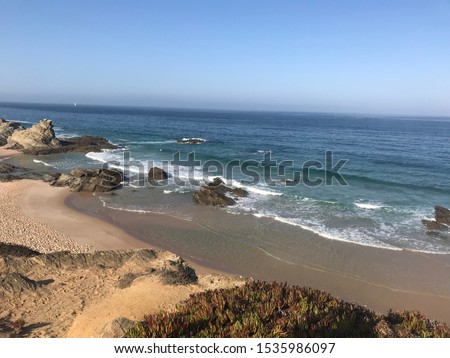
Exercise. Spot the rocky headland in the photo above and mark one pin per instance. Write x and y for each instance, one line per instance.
(40, 139)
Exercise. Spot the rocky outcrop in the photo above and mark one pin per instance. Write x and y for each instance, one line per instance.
(441, 220)
(157, 174)
(40, 135)
(208, 195)
(10, 172)
(191, 140)
(100, 180)
(217, 194)
(40, 139)
(83, 144)
(432, 225)
(7, 129)
(442, 215)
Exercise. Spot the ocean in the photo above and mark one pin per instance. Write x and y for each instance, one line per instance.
(396, 169)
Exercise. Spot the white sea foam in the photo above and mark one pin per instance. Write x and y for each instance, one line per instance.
(368, 206)
(322, 231)
(259, 190)
(27, 122)
(193, 138)
(263, 151)
(42, 162)
(106, 155)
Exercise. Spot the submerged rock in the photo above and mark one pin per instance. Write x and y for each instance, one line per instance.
(7, 128)
(191, 140)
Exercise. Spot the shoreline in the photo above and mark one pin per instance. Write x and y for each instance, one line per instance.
(8, 153)
(376, 277)
(48, 204)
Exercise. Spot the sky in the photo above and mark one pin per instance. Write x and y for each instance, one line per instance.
(378, 56)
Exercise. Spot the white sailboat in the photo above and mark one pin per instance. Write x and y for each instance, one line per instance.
(74, 104)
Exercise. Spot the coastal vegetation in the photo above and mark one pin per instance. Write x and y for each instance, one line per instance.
(272, 310)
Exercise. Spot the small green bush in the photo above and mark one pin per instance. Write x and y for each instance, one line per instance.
(261, 309)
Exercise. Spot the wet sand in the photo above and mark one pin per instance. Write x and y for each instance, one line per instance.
(8, 153)
(269, 250)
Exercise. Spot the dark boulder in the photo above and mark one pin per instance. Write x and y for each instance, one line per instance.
(157, 174)
(216, 182)
(101, 180)
(434, 225)
(441, 220)
(212, 196)
(239, 192)
(441, 214)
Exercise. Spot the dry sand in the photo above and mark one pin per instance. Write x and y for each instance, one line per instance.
(17, 227)
(79, 303)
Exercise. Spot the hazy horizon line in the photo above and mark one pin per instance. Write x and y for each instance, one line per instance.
(193, 108)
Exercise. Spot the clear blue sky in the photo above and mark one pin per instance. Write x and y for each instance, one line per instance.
(382, 56)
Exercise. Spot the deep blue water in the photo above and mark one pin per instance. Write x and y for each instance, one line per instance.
(398, 167)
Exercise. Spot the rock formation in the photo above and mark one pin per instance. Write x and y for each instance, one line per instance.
(100, 180)
(40, 135)
(217, 194)
(7, 129)
(40, 139)
(441, 220)
(10, 172)
(442, 215)
(157, 174)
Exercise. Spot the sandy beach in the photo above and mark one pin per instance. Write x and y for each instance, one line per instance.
(83, 302)
(380, 279)
(53, 219)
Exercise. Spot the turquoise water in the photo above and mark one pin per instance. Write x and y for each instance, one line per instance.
(397, 168)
